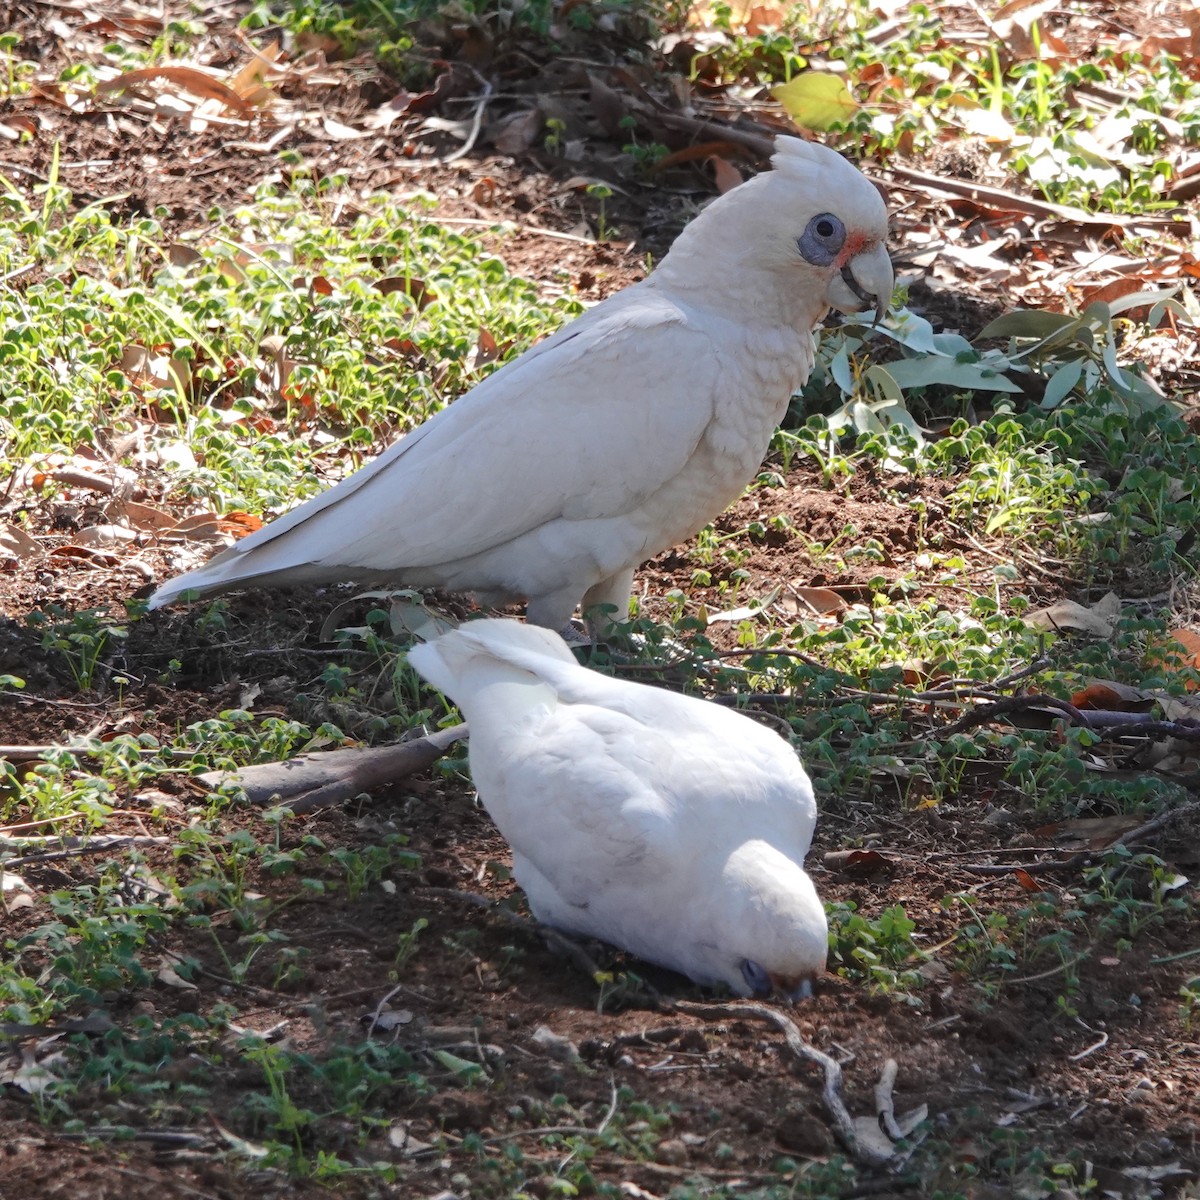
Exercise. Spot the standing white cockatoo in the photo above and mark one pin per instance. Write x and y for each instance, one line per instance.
(620, 436)
(666, 825)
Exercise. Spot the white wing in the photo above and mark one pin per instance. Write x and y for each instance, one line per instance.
(587, 424)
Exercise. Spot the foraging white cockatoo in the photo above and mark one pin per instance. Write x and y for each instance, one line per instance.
(618, 437)
(666, 825)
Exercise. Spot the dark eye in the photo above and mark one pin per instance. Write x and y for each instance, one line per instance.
(757, 980)
(822, 239)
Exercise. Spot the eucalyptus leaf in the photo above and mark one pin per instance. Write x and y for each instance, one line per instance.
(1061, 383)
(968, 377)
(1027, 323)
(915, 333)
(839, 368)
(883, 382)
(1138, 299)
(1111, 365)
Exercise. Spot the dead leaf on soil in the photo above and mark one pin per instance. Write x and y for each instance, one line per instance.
(1067, 616)
(860, 863)
(798, 598)
(1110, 696)
(401, 1137)
(238, 523)
(192, 80)
(105, 537)
(1182, 650)
(608, 105)
(12, 128)
(415, 289)
(519, 132)
(16, 543)
(726, 175)
(1089, 833)
(85, 554)
(143, 517)
(167, 974)
(14, 892)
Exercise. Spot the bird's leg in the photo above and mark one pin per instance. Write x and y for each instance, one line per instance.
(553, 611)
(612, 592)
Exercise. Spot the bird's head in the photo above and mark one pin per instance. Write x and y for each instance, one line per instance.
(836, 223)
(773, 937)
(815, 227)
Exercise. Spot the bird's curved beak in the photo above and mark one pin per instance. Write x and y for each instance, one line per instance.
(866, 281)
(792, 990)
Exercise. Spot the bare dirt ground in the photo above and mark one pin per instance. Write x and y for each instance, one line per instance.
(1117, 1082)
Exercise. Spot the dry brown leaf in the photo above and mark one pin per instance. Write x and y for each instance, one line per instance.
(189, 79)
(1026, 880)
(238, 523)
(487, 349)
(763, 17)
(856, 862)
(144, 29)
(16, 543)
(1183, 650)
(1111, 696)
(200, 527)
(105, 537)
(416, 289)
(387, 112)
(251, 81)
(155, 366)
(814, 600)
(1089, 833)
(85, 554)
(1070, 617)
(14, 125)
(608, 106)
(518, 133)
(697, 153)
(726, 175)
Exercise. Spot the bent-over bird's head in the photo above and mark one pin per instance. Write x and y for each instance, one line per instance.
(772, 936)
(811, 233)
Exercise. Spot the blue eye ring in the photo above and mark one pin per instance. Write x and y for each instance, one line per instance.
(822, 239)
(757, 979)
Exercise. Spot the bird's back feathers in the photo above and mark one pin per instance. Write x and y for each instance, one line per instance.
(664, 824)
(612, 440)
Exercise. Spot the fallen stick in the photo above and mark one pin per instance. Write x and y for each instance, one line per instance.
(831, 1090)
(328, 777)
(1086, 857)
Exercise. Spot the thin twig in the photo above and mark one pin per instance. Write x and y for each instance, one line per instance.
(103, 844)
(1012, 704)
(1087, 857)
(476, 125)
(1065, 965)
(885, 1108)
(831, 1092)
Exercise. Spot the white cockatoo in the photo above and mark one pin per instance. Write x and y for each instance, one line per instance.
(663, 824)
(618, 437)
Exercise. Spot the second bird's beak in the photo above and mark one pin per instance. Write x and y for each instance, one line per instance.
(792, 990)
(866, 281)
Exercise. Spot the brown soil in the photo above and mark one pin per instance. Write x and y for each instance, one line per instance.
(1115, 1081)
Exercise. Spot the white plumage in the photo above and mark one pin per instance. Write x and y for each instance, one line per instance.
(618, 437)
(666, 825)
